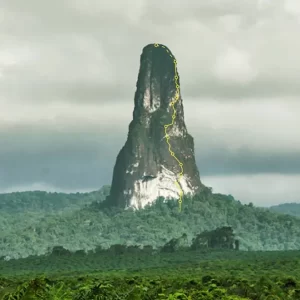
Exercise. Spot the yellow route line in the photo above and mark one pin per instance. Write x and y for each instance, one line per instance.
(174, 100)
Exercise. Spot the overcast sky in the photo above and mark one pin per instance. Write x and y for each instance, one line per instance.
(68, 71)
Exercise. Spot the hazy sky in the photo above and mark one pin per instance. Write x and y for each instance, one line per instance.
(68, 70)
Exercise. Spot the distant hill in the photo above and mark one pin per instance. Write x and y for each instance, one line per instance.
(292, 209)
(32, 231)
(48, 202)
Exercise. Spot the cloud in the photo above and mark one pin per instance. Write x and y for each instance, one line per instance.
(264, 126)
(43, 186)
(11, 57)
(264, 4)
(76, 46)
(292, 7)
(230, 23)
(68, 72)
(78, 144)
(262, 190)
(234, 65)
(129, 9)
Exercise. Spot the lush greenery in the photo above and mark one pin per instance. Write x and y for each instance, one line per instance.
(230, 275)
(292, 209)
(33, 232)
(87, 250)
(40, 201)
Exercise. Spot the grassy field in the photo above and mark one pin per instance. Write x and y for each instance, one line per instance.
(178, 275)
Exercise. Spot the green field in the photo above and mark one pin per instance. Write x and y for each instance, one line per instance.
(177, 275)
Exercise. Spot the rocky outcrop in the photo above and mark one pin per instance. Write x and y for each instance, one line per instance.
(145, 169)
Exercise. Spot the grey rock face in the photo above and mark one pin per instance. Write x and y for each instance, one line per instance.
(144, 168)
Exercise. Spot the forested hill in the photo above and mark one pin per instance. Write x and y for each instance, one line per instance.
(292, 209)
(86, 226)
(35, 201)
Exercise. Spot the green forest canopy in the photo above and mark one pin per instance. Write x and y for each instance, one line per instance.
(31, 222)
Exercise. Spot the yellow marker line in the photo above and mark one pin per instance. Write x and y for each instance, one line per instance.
(168, 125)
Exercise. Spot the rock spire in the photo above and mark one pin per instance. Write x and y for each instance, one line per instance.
(145, 168)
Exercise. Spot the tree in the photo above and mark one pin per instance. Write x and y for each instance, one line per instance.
(237, 245)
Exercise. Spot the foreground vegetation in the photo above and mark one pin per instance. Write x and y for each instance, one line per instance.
(76, 247)
(178, 275)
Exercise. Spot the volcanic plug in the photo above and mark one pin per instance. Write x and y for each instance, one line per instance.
(145, 169)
